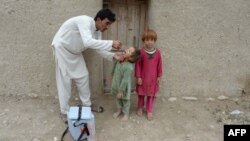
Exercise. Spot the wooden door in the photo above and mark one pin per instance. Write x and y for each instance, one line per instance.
(130, 22)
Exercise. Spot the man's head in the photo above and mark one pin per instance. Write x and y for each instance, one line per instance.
(103, 19)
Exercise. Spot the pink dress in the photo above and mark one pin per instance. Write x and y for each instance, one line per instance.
(149, 68)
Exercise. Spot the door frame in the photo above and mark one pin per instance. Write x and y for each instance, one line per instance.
(136, 41)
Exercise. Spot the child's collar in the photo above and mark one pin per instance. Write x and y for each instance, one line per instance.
(150, 51)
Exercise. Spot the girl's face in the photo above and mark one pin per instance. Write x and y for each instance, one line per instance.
(149, 43)
(128, 52)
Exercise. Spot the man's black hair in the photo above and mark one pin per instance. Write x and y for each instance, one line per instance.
(105, 13)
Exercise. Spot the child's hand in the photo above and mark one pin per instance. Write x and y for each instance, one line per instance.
(158, 80)
(119, 95)
(139, 81)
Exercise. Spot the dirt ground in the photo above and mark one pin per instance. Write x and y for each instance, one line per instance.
(34, 118)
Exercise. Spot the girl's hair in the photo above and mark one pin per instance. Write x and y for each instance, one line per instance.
(135, 55)
(105, 13)
(149, 34)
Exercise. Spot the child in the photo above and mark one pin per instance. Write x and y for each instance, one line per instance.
(148, 71)
(121, 82)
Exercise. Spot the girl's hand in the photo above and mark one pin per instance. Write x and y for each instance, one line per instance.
(119, 95)
(158, 80)
(139, 81)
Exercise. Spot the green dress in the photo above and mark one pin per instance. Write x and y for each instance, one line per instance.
(121, 82)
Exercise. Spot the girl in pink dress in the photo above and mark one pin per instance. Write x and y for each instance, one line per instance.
(148, 71)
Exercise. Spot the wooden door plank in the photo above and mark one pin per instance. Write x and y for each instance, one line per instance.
(129, 25)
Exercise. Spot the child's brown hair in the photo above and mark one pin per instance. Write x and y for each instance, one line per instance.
(149, 34)
(135, 55)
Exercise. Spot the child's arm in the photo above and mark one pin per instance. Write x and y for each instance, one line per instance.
(138, 72)
(159, 66)
(113, 69)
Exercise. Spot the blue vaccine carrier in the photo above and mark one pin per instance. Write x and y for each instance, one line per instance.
(81, 123)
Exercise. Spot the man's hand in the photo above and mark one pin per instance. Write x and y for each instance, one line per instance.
(119, 56)
(117, 44)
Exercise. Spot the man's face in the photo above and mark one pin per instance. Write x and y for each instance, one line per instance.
(102, 25)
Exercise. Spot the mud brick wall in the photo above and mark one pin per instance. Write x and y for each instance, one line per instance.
(206, 46)
(204, 43)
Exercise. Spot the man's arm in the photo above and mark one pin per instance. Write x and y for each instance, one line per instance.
(110, 55)
(85, 26)
(106, 54)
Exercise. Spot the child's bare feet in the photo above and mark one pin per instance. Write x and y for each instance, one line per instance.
(116, 114)
(150, 116)
(124, 118)
(139, 112)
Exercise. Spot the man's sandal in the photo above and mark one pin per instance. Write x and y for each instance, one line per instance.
(64, 118)
(97, 109)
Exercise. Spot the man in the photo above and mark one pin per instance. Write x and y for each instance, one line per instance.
(74, 36)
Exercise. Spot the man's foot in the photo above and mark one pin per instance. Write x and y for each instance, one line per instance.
(139, 112)
(150, 116)
(64, 118)
(116, 114)
(97, 108)
(124, 118)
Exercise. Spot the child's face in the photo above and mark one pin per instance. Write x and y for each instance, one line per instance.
(149, 43)
(128, 52)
